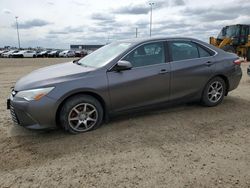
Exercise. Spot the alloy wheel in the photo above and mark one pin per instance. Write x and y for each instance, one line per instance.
(215, 91)
(83, 117)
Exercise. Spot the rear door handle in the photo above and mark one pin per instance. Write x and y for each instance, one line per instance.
(163, 71)
(209, 63)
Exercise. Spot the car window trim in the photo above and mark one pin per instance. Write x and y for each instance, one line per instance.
(209, 51)
(186, 40)
(137, 46)
(199, 47)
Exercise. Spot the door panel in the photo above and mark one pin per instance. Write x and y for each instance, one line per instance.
(191, 67)
(139, 86)
(148, 82)
(188, 77)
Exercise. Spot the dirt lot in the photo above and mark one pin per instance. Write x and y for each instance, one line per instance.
(182, 146)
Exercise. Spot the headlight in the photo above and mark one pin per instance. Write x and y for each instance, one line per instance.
(34, 94)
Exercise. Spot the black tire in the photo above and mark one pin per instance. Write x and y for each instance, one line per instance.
(207, 94)
(248, 54)
(74, 102)
(229, 48)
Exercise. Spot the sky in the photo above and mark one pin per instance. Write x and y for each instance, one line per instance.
(59, 23)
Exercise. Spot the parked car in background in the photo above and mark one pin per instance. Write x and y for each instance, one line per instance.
(248, 70)
(9, 53)
(67, 53)
(43, 53)
(122, 76)
(25, 53)
(80, 53)
(54, 53)
(89, 51)
(3, 51)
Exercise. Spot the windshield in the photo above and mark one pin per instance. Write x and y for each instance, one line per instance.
(104, 55)
(229, 31)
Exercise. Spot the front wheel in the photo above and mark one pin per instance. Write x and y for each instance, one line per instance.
(214, 92)
(81, 113)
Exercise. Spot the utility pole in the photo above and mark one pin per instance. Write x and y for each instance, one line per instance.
(17, 32)
(136, 32)
(151, 14)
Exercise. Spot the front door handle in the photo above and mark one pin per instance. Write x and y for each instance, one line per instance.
(163, 71)
(209, 63)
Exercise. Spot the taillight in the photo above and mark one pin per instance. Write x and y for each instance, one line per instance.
(237, 62)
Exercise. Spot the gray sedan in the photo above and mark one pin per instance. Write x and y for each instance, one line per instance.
(122, 76)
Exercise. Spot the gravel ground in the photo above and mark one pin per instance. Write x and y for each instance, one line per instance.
(180, 146)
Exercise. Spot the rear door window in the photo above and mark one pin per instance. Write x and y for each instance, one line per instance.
(203, 52)
(181, 50)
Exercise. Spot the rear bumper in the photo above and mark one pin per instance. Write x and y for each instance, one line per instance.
(234, 79)
(33, 114)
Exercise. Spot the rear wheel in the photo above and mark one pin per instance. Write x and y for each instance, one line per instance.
(229, 48)
(81, 113)
(214, 92)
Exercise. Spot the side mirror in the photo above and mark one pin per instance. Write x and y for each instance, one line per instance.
(123, 65)
(76, 60)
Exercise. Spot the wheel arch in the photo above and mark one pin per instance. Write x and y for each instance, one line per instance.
(225, 80)
(90, 93)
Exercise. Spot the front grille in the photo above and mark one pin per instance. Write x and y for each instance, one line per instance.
(13, 115)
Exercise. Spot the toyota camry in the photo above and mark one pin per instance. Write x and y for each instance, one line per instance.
(124, 75)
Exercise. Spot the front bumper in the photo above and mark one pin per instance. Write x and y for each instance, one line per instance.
(33, 114)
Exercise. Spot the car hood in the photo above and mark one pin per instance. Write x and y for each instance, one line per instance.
(51, 75)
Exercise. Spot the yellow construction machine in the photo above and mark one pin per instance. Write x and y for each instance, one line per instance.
(235, 39)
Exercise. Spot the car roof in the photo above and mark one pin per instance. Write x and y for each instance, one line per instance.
(139, 40)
